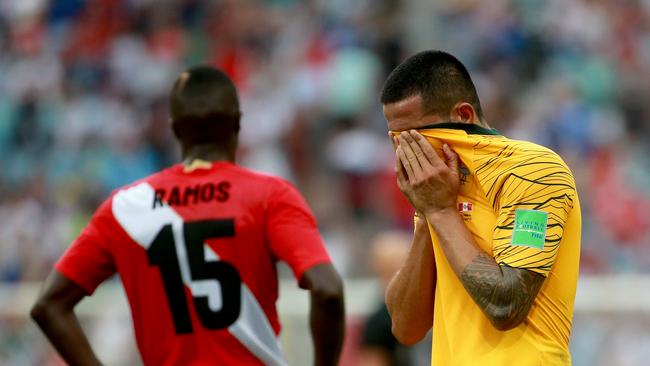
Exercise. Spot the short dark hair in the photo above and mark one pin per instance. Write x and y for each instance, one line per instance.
(204, 106)
(440, 78)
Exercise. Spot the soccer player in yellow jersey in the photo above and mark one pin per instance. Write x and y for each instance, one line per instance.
(494, 261)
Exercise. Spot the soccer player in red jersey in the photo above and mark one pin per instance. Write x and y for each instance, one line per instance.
(196, 247)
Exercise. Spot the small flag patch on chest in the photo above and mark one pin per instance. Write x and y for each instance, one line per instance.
(465, 206)
(530, 228)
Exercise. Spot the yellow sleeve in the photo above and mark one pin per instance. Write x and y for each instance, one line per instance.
(535, 200)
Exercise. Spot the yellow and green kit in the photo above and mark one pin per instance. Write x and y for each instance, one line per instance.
(520, 203)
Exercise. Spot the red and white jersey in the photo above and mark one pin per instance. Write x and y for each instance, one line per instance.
(196, 252)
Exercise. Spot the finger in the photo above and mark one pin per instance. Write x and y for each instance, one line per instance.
(399, 167)
(410, 156)
(427, 149)
(400, 173)
(422, 159)
(406, 163)
(451, 157)
(393, 139)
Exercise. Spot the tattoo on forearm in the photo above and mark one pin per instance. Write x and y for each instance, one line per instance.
(504, 294)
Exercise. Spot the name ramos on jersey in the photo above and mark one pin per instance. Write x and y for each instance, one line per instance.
(183, 196)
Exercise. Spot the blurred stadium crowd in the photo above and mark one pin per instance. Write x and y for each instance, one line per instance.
(84, 86)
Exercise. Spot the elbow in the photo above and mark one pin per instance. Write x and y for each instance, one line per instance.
(505, 318)
(504, 325)
(405, 336)
(325, 286)
(405, 332)
(39, 311)
(329, 293)
(45, 309)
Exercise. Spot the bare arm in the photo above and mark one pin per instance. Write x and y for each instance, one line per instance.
(327, 312)
(54, 314)
(504, 294)
(410, 294)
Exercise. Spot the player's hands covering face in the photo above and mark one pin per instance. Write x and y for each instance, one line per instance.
(430, 183)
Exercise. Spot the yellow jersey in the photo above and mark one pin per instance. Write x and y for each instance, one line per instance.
(519, 201)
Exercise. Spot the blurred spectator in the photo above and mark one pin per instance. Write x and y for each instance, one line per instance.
(379, 347)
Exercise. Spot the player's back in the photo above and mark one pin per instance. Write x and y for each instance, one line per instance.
(196, 251)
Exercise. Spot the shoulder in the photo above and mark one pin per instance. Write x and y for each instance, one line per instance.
(502, 149)
(514, 168)
(268, 182)
(507, 156)
(536, 171)
(270, 191)
(524, 149)
(150, 179)
(135, 196)
(537, 162)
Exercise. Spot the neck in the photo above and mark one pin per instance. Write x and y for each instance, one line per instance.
(483, 124)
(476, 121)
(207, 152)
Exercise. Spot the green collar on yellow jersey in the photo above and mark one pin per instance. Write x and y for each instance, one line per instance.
(470, 128)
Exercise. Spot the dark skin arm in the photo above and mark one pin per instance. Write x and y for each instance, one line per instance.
(410, 294)
(504, 294)
(54, 314)
(327, 312)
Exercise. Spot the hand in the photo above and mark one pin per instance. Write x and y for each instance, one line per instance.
(430, 184)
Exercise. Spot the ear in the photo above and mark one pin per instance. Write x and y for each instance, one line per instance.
(463, 112)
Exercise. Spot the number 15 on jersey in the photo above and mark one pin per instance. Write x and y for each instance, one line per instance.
(215, 285)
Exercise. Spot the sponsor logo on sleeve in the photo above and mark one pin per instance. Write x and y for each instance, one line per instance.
(530, 228)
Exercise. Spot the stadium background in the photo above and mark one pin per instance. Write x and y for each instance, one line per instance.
(83, 86)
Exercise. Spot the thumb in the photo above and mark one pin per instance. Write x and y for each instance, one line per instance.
(451, 158)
